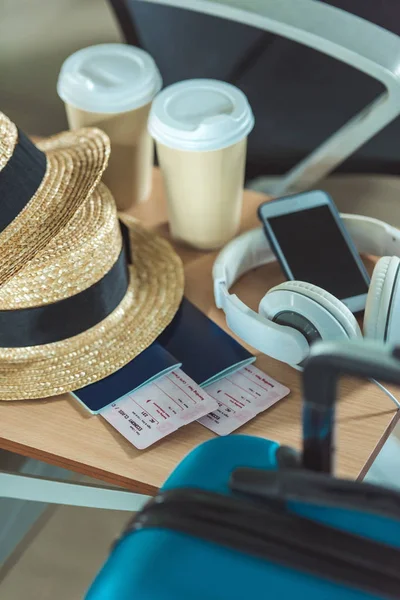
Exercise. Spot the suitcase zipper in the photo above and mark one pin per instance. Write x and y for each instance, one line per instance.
(278, 536)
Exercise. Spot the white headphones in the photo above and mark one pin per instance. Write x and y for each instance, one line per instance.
(294, 314)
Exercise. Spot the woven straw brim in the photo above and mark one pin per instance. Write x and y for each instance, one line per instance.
(75, 164)
(150, 303)
(77, 257)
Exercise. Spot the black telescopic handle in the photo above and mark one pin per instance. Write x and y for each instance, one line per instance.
(326, 363)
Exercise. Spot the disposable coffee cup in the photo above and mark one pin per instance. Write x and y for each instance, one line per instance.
(111, 86)
(201, 128)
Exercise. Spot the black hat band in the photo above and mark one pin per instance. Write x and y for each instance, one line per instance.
(20, 179)
(66, 318)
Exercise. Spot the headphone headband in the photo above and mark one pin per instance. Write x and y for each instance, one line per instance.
(251, 250)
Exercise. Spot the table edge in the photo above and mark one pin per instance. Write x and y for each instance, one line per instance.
(105, 476)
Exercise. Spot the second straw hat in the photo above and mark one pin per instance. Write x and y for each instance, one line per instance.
(42, 186)
(95, 296)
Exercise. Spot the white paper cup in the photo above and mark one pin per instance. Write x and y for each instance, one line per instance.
(201, 128)
(111, 86)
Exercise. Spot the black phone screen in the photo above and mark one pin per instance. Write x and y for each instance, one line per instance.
(317, 252)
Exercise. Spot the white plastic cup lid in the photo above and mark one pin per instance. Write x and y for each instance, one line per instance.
(109, 78)
(200, 115)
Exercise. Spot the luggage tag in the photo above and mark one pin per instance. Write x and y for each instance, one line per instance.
(241, 396)
(152, 412)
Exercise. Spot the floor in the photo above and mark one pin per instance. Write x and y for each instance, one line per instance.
(68, 545)
(64, 555)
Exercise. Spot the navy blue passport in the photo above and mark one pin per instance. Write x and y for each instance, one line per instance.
(206, 352)
(145, 368)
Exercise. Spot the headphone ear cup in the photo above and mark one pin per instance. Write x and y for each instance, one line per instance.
(341, 322)
(380, 304)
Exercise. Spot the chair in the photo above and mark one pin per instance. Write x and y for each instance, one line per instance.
(306, 66)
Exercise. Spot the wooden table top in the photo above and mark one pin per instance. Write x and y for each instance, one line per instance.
(59, 431)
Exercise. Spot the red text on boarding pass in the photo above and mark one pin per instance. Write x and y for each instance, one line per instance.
(150, 413)
(241, 396)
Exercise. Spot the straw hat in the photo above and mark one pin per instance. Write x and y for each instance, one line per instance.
(78, 311)
(58, 174)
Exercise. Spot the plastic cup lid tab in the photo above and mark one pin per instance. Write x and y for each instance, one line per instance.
(200, 115)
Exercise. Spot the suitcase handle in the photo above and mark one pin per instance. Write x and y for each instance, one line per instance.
(326, 363)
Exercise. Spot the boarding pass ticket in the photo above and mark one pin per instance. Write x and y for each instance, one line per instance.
(240, 398)
(154, 411)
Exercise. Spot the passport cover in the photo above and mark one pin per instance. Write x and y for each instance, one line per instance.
(192, 341)
(206, 352)
(149, 365)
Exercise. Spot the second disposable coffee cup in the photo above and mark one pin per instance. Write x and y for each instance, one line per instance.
(111, 86)
(201, 128)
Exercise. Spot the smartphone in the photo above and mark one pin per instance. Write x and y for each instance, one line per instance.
(311, 242)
